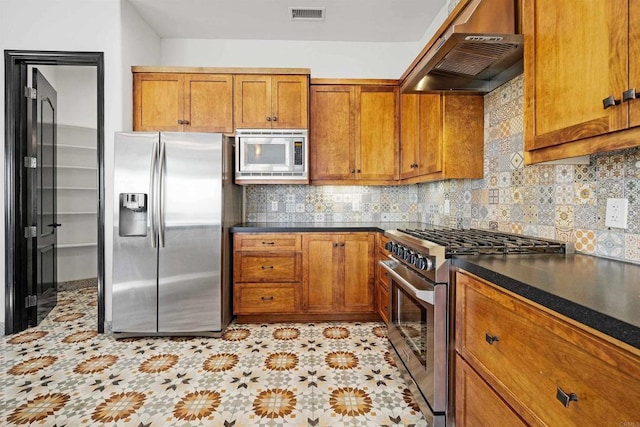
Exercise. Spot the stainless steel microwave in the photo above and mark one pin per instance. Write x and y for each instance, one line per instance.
(272, 155)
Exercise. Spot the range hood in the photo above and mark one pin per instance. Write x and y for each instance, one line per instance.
(478, 51)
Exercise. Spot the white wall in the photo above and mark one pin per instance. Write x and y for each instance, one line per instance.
(326, 59)
(108, 26)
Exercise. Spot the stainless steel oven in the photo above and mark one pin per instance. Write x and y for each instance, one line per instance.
(421, 297)
(418, 334)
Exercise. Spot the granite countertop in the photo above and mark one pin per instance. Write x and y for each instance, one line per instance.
(601, 293)
(301, 227)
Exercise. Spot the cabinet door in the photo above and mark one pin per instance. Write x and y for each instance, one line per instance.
(377, 132)
(477, 404)
(357, 288)
(252, 99)
(576, 55)
(289, 102)
(158, 101)
(634, 61)
(431, 138)
(332, 132)
(209, 102)
(319, 273)
(409, 134)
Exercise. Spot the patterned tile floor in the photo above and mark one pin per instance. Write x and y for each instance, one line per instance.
(62, 373)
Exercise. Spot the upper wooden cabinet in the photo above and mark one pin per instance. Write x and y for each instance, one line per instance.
(182, 102)
(442, 137)
(576, 57)
(354, 133)
(271, 101)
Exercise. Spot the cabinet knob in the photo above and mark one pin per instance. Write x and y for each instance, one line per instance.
(267, 267)
(274, 118)
(353, 171)
(268, 118)
(630, 94)
(358, 170)
(335, 245)
(610, 101)
(566, 398)
(267, 298)
(186, 122)
(180, 122)
(491, 338)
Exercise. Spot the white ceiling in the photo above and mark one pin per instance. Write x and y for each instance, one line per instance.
(345, 20)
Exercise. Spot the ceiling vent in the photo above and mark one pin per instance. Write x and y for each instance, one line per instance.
(306, 13)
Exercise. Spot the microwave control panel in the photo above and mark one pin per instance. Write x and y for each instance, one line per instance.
(298, 153)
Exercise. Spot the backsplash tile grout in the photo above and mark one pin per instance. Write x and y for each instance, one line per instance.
(563, 202)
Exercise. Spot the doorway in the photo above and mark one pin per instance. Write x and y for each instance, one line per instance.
(17, 255)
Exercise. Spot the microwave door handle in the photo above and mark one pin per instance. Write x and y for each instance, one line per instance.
(426, 296)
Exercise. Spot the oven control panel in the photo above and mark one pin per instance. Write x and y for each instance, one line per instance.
(410, 256)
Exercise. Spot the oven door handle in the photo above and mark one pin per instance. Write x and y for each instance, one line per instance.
(426, 296)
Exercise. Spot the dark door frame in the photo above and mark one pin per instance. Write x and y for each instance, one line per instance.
(16, 63)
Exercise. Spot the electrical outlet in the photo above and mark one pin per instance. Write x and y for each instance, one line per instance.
(616, 215)
(274, 206)
(447, 207)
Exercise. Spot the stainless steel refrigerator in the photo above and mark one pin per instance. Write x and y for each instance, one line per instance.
(174, 202)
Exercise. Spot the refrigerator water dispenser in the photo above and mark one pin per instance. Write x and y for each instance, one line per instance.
(133, 215)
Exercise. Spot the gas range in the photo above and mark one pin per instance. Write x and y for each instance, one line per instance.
(421, 303)
(427, 250)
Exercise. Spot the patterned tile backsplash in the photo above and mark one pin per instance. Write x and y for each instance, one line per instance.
(564, 202)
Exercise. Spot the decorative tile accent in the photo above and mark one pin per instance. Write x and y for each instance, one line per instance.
(632, 247)
(585, 241)
(548, 200)
(610, 244)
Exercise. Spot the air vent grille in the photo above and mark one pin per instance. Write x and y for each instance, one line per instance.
(471, 58)
(306, 13)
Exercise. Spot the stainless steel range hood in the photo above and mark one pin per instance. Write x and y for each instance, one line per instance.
(476, 53)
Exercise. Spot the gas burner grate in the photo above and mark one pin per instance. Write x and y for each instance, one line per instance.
(476, 242)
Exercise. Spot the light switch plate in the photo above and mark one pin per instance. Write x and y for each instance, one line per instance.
(616, 215)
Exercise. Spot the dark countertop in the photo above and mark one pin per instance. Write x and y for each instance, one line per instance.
(301, 227)
(601, 293)
(598, 292)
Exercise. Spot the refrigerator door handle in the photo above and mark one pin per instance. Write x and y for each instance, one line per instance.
(162, 172)
(153, 195)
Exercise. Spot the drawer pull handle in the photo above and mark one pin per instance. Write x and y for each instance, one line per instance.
(267, 267)
(565, 398)
(491, 338)
(610, 101)
(268, 243)
(267, 298)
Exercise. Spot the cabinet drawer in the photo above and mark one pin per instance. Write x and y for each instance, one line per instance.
(279, 298)
(383, 302)
(535, 357)
(256, 267)
(381, 272)
(267, 242)
(477, 404)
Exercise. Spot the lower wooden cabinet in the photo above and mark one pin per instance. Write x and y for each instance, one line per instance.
(338, 272)
(305, 277)
(382, 279)
(549, 369)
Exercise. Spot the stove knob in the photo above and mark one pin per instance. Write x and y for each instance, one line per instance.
(413, 258)
(389, 246)
(424, 263)
(399, 250)
(407, 255)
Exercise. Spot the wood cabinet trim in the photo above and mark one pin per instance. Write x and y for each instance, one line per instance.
(352, 82)
(217, 70)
